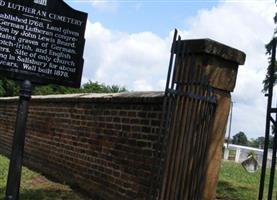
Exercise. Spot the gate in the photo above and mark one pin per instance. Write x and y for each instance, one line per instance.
(188, 112)
(270, 120)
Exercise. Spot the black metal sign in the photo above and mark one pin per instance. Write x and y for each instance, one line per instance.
(42, 41)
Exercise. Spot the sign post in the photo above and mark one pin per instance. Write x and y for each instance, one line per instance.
(41, 41)
(13, 183)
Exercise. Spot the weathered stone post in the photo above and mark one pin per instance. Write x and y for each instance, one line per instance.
(221, 66)
(226, 153)
(238, 151)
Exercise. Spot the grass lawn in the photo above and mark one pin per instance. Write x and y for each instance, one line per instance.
(35, 186)
(234, 184)
(237, 184)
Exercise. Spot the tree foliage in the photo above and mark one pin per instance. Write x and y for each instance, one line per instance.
(266, 81)
(269, 48)
(96, 87)
(8, 87)
(259, 142)
(11, 88)
(240, 138)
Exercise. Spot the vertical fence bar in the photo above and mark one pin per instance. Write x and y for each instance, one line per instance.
(195, 135)
(184, 130)
(273, 165)
(230, 124)
(182, 79)
(199, 137)
(168, 165)
(169, 116)
(177, 159)
(184, 85)
(190, 132)
(273, 159)
(173, 49)
(208, 128)
(165, 114)
(267, 127)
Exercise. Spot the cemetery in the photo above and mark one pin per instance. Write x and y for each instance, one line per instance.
(117, 146)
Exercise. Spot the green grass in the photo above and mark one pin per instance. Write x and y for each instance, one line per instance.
(35, 186)
(234, 184)
(237, 184)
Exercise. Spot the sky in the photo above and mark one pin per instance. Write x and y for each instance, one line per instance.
(128, 44)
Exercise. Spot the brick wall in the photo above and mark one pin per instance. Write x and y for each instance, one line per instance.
(100, 143)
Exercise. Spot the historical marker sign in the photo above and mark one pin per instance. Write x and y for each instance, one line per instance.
(42, 41)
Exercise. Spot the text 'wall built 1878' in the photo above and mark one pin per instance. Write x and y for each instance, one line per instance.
(42, 40)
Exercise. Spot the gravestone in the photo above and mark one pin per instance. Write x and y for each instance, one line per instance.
(250, 164)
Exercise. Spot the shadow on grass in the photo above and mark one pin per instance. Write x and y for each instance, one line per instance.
(43, 194)
(230, 192)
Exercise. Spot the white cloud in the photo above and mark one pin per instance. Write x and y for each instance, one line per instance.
(247, 26)
(139, 61)
(125, 59)
(142, 85)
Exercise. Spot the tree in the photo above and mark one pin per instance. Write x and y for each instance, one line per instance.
(8, 87)
(89, 87)
(11, 88)
(269, 48)
(266, 81)
(259, 142)
(256, 143)
(240, 139)
(53, 89)
(96, 87)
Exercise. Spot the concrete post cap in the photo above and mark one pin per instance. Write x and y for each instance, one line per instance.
(212, 47)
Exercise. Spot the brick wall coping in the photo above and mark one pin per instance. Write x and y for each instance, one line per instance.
(125, 97)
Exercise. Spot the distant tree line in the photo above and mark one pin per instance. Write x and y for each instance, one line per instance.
(11, 88)
(241, 139)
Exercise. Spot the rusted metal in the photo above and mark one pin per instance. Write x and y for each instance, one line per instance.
(171, 99)
(189, 108)
(173, 141)
(167, 104)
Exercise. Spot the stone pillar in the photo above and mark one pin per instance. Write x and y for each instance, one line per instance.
(221, 66)
(226, 153)
(238, 151)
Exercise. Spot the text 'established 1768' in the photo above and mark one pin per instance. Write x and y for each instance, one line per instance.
(42, 41)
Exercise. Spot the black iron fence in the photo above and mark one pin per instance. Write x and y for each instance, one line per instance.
(189, 108)
(271, 125)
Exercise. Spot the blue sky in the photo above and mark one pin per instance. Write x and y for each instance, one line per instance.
(128, 44)
(135, 16)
